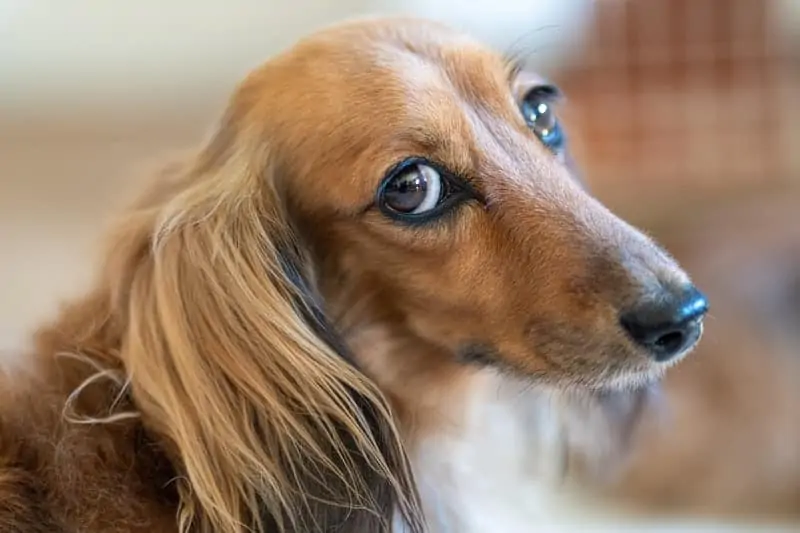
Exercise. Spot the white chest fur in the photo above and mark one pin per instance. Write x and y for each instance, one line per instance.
(492, 475)
(500, 472)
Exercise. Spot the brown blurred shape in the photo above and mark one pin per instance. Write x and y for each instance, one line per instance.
(686, 120)
(685, 99)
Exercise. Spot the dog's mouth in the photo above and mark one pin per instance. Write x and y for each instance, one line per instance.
(614, 370)
(630, 380)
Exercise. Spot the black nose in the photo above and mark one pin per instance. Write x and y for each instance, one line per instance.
(669, 326)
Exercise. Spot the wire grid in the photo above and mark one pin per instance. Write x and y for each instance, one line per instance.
(699, 91)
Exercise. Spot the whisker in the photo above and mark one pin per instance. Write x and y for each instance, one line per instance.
(518, 52)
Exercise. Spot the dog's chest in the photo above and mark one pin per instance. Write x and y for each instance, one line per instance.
(498, 474)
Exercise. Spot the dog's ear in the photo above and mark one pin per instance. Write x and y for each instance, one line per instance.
(231, 360)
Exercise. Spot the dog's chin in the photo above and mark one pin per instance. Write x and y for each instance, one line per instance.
(631, 382)
(625, 399)
(625, 407)
(604, 423)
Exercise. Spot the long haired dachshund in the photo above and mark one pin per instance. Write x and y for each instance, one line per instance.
(376, 299)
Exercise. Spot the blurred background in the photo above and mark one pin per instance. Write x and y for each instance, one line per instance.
(684, 117)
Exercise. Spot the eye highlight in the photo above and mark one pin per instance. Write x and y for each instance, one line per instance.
(417, 190)
(537, 110)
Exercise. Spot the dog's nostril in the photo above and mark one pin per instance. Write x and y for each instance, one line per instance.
(670, 342)
(669, 327)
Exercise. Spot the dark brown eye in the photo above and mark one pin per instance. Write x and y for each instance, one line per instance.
(417, 189)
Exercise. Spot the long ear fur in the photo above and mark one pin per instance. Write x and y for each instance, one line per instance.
(270, 425)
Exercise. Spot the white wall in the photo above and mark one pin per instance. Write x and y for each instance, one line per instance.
(56, 55)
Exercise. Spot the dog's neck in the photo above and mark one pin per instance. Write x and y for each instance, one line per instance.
(491, 452)
(514, 462)
(497, 471)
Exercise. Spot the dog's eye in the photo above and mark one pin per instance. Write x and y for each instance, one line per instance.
(415, 189)
(538, 112)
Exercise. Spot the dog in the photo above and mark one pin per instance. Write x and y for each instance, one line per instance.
(376, 298)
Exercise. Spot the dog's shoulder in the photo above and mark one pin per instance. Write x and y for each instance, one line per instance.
(60, 477)
(21, 507)
(23, 498)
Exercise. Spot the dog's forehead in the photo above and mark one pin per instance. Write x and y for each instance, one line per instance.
(362, 97)
(382, 55)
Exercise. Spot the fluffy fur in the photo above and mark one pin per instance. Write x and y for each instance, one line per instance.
(263, 350)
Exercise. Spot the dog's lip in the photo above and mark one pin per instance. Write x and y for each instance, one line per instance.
(639, 381)
(647, 384)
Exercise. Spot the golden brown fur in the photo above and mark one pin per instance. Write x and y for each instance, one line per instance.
(263, 349)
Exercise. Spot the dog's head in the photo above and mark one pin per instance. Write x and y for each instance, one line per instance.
(389, 176)
(431, 175)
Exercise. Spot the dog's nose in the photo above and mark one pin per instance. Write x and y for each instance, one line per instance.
(668, 326)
